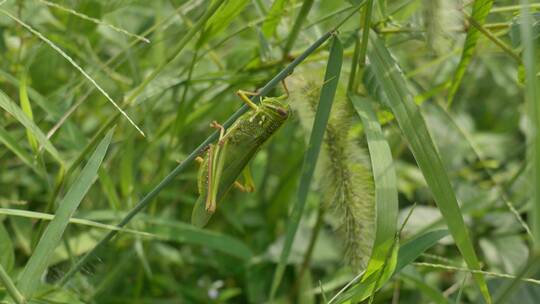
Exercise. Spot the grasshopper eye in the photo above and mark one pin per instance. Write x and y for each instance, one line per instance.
(282, 112)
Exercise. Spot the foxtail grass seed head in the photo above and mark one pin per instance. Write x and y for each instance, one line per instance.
(344, 175)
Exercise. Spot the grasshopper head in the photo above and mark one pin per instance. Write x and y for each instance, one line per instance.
(276, 108)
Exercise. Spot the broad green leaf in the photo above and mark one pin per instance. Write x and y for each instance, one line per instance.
(9, 106)
(414, 129)
(328, 91)
(480, 11)
(38, 262)
(274, 16)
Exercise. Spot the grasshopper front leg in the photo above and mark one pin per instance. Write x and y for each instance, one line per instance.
(244, 96)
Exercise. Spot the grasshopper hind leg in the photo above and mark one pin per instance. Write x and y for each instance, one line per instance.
(209, 178)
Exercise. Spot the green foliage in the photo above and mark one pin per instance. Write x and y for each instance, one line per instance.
(172, 66)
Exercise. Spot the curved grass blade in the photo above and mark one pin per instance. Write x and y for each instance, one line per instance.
(480, 11)
(384, 175)
(413, 127)
(328, 92)
(386, 195)
(30, 276)
(7, 104)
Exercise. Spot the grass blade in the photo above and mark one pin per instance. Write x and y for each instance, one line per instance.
(164, 230)
(386, 194)
(9, 106)
(532, 97)
(27, 109)
(328, 92)
(384, 175)
(72, 220)
(479, 13)
(36, 266)
(413, 127)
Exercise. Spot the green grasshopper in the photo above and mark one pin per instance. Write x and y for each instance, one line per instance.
(230, 155)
